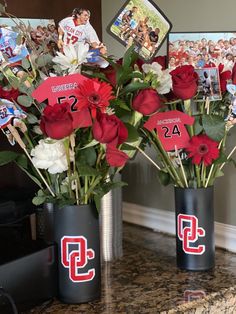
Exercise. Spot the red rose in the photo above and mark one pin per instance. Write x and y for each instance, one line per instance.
(115, 157)
(56, 121)
(225, 76)
(234, 75)
(184, 81)
(108, 129)
(146, 101)
(9, 94)
(81, 119)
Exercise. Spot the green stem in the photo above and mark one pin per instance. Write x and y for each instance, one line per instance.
(167, 160)
(203, 174)
(198, 176)
(85, 190)
(92, 186)
(28, 140)
(67, 149)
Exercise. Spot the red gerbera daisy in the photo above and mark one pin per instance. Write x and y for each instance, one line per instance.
(202, 149)
(94, 95)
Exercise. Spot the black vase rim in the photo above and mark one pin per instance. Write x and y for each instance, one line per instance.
(194, 189)
(75, 205)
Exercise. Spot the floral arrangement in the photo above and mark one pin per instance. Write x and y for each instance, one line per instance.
(189, 133)
(73, 146)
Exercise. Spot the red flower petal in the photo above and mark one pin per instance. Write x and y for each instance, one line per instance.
(202, 149)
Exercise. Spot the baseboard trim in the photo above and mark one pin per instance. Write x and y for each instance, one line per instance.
(164, 221)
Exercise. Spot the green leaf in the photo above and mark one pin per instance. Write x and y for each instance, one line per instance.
(44, 59)
(131, 150)
(21, 164)
(120, 103)
(87, 156)
(32, 119)
(197, 126)
(92, 143)
(24, 100)
(122, 75)
(132, 133)
(97, 200)
(130, 57)
(221, 159)
(214, 126)
(164, 178)
(100, 75)
(133, 87)
(22, 161)
(136, 74)
(25, 64)
(85, 170)
(26, 90)
(13, 80)
(219, 173)
(38, 200)
(7, 157)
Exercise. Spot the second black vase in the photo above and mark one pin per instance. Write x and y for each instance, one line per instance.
(195, 247)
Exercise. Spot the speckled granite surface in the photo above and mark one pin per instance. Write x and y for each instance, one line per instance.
(146, 280)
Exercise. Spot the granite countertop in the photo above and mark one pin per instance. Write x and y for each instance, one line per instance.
(146, 280)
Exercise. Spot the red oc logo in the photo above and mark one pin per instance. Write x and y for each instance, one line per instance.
(189, 234)
(77, 259)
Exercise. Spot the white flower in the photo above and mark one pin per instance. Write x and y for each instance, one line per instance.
(165, 82)
(154, 68)
(73, 57)
(163, 78)
(51, 155)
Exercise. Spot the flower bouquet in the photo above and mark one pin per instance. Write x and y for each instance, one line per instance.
(189, 133)
(76, 130)
(67, 123)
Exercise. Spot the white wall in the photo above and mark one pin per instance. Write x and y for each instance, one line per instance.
(185, 15)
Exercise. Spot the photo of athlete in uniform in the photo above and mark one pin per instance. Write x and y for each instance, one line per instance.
(12, 54)
(77, 29)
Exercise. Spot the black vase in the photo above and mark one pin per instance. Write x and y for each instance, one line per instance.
(45, 222)
(77, 236)
(195, 247)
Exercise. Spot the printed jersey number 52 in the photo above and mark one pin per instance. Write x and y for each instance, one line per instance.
(71, 100)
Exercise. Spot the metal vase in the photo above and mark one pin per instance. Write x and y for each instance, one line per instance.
(77, 237)
(111, 231)
(195, 247)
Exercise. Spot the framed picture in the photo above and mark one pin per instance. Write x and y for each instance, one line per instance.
(42, 31)
(200, 48)
(143, 24)
(209, 84)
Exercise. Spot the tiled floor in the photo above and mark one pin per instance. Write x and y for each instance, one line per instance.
(146, 280)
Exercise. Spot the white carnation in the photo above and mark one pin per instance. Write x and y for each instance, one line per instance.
(165, 83)
(164, 78)
(51, 155)
(155, 68)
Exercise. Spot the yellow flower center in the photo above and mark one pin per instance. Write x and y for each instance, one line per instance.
(74, 61)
